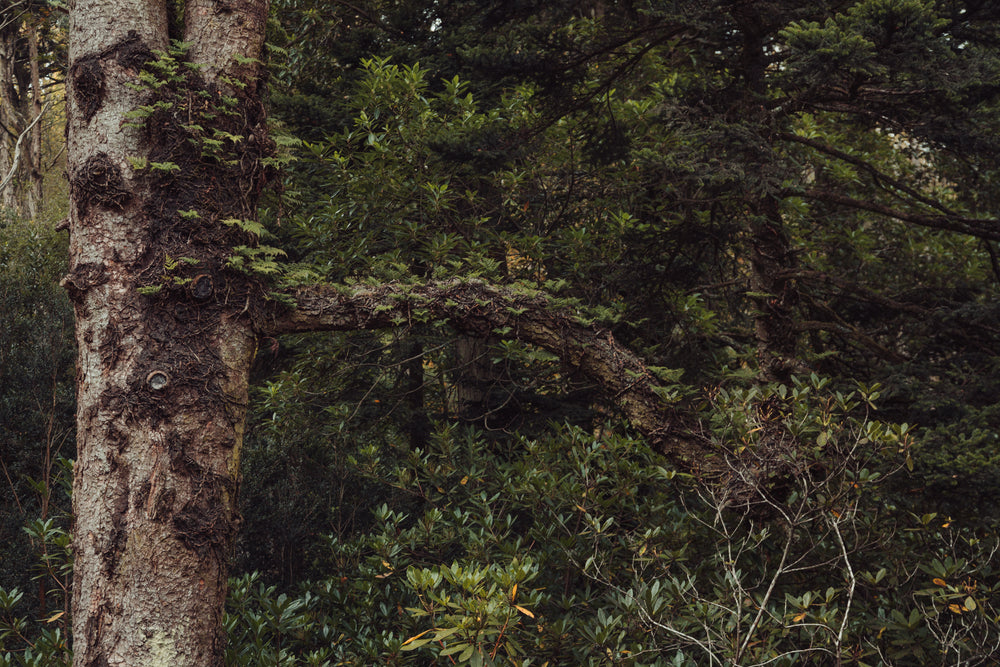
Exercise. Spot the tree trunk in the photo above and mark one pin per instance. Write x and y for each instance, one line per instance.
(10, 121)
(162, 373)
(33, 162)
(418, 424)
(771, 257)
(20, 153)
(473, 378)
(771, 261)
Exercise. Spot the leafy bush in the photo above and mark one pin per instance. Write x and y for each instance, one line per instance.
(586, 549)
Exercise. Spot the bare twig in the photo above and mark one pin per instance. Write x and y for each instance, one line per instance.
(850, 588)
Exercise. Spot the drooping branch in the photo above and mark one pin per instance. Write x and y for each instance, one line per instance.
(979, 228)
(877, 175)
(370, 18)
(477, 308)
(858, 292)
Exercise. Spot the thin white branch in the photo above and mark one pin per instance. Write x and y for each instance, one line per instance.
(850, 588)
(762, 605)
(17, 146)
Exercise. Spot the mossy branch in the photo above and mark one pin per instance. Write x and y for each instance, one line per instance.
(477, 308)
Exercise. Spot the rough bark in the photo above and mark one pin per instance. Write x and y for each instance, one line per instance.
(474, 376)
(162, 378)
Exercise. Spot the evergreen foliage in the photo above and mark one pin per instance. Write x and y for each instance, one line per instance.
(36, 439)
(629, 158)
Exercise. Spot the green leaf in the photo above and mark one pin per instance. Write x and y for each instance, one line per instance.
(456, 648)
(165, 166)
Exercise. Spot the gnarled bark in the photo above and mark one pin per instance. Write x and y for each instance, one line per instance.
(162, 379)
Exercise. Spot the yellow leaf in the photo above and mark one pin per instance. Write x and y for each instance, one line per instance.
(835, 513)
(415, 637)
(799, 617)
(955, 609)
(55, 617)
(465, 480)
(524, 611)
(939, 582)
(513, 593)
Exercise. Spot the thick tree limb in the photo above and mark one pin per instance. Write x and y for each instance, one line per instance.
(481, 309)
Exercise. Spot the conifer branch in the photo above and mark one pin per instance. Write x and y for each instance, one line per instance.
(977, 227)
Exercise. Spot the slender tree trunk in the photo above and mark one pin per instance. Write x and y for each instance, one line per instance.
(770, 263)
(771, 257)
(10, 122)
(473, 377)
(18, 72)
(33, 159)
(418, 424)
(162, 378)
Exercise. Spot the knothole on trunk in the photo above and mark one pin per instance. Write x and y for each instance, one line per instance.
(158, 380)
(202, 287)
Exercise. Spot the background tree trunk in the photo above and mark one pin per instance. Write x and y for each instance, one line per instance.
(33, 163)
(20, 104)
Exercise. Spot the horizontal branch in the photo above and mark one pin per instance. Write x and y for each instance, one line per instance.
(477, 308)
(856, 291)
(878, 175)
(980, 228)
